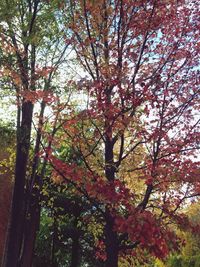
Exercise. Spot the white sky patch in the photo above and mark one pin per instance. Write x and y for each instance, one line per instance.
(8, 109)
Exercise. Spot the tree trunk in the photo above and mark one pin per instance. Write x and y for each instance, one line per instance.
(53, 243)
(30, 236)
(32, 216)
(31, 228)
(111, 238)
(75, 252)
(17, 211)
(111, 243)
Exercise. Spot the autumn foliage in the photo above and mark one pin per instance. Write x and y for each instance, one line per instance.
(141, 60)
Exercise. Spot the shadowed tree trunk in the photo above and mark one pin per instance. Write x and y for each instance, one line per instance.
(31, 226)
(111, 243)
(75, 256)
(18, 209)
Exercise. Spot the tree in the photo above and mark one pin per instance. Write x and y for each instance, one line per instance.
(141, 60)
(30, 59)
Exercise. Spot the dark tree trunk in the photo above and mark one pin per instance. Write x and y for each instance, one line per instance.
(18, 209)
(75, 257)
(31, 228)
(32, 216)
(30, 236)
(111, 243)
(53, 244)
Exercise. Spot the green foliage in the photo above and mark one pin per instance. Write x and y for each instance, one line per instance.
(183, 261)
(64, 217)
(175, 261)
(192, 245)
(7, 134)
(190, 252)
(43, 248)
(7, 143)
